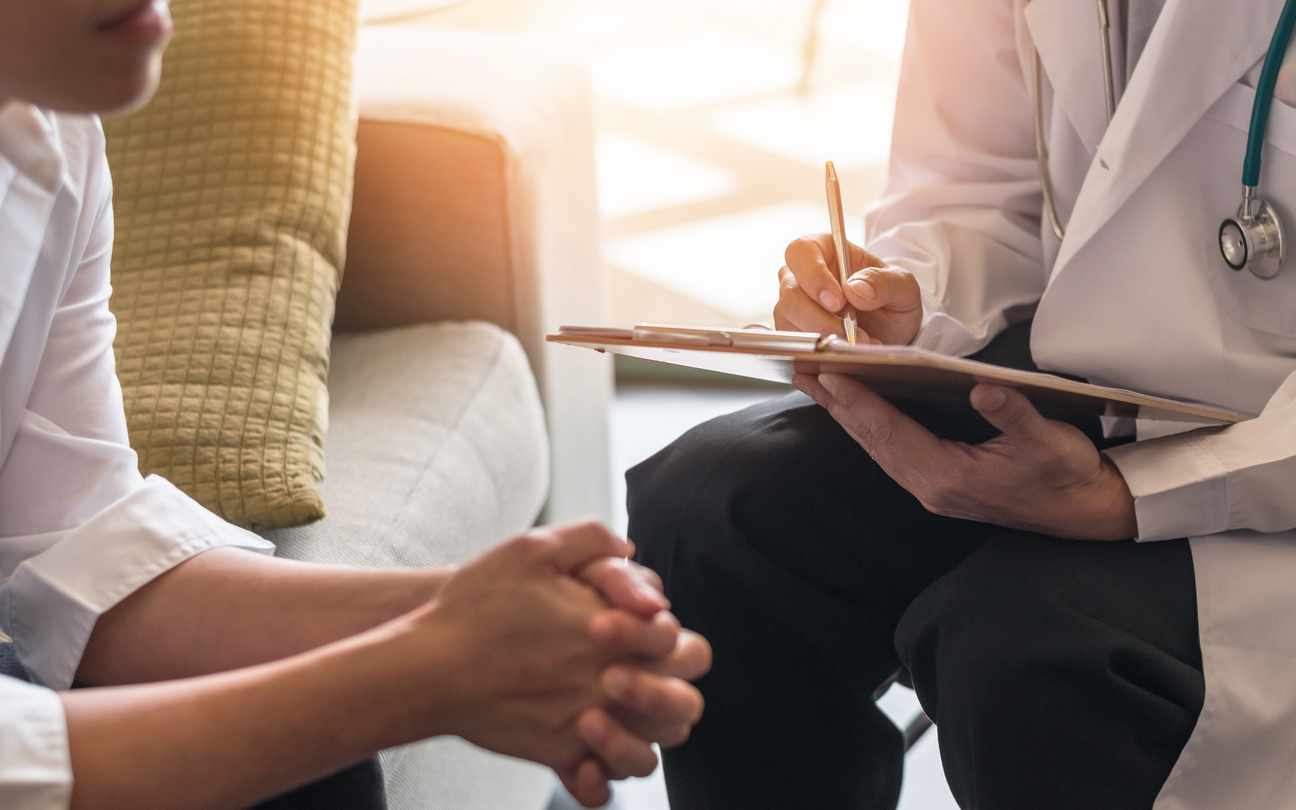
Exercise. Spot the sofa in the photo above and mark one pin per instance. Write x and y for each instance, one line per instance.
(452, 424)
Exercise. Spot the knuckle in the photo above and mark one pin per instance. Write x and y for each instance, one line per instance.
(936, 495)
(531, 544)
(590, 526)
(799, 248)
(876, 435)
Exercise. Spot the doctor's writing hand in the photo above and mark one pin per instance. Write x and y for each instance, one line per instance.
(1039, 475)
(886, 299)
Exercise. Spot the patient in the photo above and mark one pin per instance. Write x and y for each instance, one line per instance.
(218, 676)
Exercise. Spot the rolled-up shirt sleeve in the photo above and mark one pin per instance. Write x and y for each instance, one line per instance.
(80, 528)
(1213, 480)
(35, 770)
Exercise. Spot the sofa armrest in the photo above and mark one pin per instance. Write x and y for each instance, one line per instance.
(475, 199)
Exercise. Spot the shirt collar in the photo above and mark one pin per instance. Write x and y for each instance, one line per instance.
(29, 144)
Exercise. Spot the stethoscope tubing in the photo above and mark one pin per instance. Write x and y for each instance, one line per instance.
(1264, 95)
(1259, 112)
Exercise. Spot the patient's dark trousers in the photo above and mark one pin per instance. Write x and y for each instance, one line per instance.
(1060, 674)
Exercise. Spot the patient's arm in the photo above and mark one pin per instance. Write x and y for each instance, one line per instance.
(503, 656)
(229, 608)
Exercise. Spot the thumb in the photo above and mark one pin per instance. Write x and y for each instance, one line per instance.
(1009, 411)
(572, 546)
(877, 287)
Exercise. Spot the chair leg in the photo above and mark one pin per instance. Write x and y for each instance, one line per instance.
(916, 729)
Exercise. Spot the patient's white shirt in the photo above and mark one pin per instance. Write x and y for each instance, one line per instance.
(80, 528)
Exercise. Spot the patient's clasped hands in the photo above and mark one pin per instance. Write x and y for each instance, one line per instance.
(1040, 475)
(571, 658)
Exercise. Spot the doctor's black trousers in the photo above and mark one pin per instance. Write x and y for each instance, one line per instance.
(1060, 674)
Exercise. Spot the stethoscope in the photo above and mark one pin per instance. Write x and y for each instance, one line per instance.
(1254, 238)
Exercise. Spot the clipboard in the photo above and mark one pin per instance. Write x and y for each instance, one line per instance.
(895, 372)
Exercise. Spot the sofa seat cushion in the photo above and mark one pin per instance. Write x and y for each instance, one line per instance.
(436, 448)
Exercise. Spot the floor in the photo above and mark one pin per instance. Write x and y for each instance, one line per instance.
(645, 418)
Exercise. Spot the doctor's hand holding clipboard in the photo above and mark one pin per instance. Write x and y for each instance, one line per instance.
(1039, 475)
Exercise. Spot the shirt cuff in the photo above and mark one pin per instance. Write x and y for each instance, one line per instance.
(1180, 489)
(35, 763)
(942, 333)
(54, 598)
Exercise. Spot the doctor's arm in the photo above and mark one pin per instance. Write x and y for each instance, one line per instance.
(1039, 475)
(1212, 480)
(954, 247)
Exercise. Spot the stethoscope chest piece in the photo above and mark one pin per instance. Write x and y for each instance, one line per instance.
(1254, 240)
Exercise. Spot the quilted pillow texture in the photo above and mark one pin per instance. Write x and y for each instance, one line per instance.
(232, 197)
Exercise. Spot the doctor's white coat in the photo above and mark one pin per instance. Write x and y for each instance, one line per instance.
(1136, 296)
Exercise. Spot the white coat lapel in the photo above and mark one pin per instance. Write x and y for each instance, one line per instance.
(1198, 50)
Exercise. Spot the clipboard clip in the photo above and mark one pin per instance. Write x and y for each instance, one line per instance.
(762, 339)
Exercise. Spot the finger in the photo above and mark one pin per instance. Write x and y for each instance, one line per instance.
(625, 585)
(665, 700)
(1012, 414)
(813, 262)
(690, 660)
(623, 755)
(906, 450)
(654, 579)
(588, 784)
(797, 312)
(570, 547)
(877, 287)
(625, 634)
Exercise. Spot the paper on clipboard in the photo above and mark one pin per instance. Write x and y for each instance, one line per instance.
(898, 372)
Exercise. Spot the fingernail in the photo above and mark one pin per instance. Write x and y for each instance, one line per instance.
(653, 595)
(994, 400)
(616, 682)
(829, 382)
(829, 301)
(863, 288)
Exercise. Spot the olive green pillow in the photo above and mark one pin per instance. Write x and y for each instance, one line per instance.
(232, 197)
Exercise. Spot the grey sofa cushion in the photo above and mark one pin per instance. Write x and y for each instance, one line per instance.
(436, 451)
(436, 448)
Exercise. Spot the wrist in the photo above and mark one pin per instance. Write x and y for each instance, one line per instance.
(1120, 517)
(405, 669)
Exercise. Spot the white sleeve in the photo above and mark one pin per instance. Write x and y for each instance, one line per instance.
(80, 529)
(963, 202)
(35, 764)
(1212, 480)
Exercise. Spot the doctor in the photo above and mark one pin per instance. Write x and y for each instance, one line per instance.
(974, 547)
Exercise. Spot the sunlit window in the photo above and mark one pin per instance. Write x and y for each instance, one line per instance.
(715, 118)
